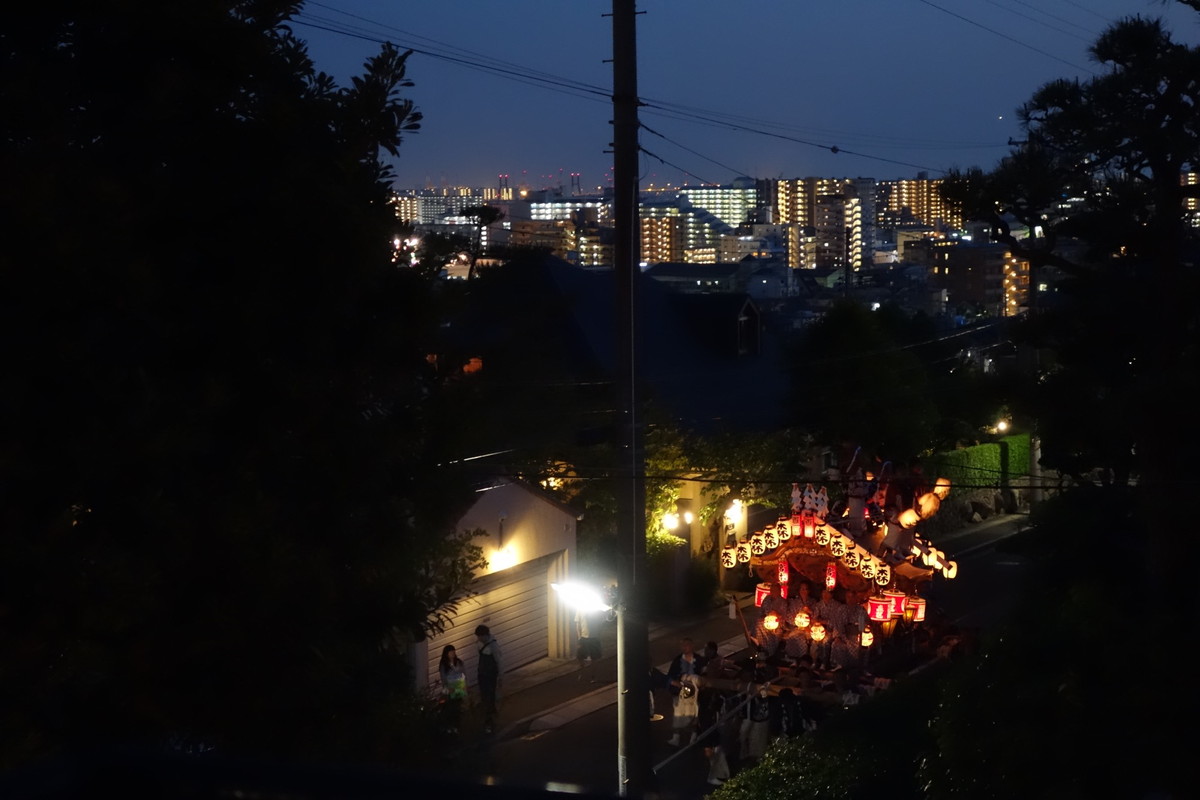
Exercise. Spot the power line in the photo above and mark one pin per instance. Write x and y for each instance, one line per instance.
(584, 90)
(1005, 36)
(1037, 21)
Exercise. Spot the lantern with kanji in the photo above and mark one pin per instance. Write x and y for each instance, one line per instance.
(758, 544)
(771, 538)
(830, 575)
(837, 544)
(867, 568)
(896, 601)
(771, 622)
(883, 574)
(817, 632)
(803, 618)
(879, 609)
(851, 558)
(743, 551)
(729, 557)
(784, 529)
(761, 592)
(783, 572)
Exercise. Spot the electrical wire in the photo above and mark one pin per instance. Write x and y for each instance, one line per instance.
(1037, 21)
(1005, 36)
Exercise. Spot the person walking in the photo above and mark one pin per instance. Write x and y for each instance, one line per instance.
(489, 675)
(454, 688)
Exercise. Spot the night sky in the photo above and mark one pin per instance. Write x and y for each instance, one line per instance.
(762, 88)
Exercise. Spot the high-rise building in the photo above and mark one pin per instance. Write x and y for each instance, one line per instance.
(834, 210)
(917, 201)
(735, 204)
(1191, 204)
(675, 230)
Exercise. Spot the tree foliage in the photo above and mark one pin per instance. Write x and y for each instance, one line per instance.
(212, 488)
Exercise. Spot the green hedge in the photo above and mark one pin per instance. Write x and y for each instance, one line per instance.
(989, 464)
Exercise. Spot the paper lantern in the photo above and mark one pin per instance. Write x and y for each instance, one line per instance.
(896, 599)
(783, 529)
(941, 488)
(914, 609)
(729, 557)
(883, 575)
(837, 545)
(879, 608)
(771, 622)
(758, 543)
(908, 518)
(822, 536)
(809, 526)
(867, 637)
(783, 571)
(927, 505)
(817, 632)
(771, 538)
(803, 618)
(830, 575)
(743, 551)
(950, 570)
(867, 568)
(851, 559)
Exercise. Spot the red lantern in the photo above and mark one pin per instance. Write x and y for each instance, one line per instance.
(810, 525)
(914, 609)
(783, 571)
(879, 609)
(761, 592)
(830, 575)
(896, 600)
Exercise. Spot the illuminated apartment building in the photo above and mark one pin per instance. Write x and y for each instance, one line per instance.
(1191, 204)
(836, 212)
(915, 202)
(674, 230)
(734, 204)
(597, 208)
(431, 207)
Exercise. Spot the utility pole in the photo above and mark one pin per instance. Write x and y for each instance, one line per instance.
(633, 648)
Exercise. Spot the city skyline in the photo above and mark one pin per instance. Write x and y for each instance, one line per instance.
(768, 90)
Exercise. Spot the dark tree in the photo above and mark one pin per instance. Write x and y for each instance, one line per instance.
(213, 490)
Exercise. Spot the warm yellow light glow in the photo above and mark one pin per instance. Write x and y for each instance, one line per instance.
(909, 518)
(927, 505)
(1002, 425)
(803, 619)
(818, 632)
(502, 558)
(771, 622)
(670, 521)
(689, 517)
(941, 488)
(868, 637)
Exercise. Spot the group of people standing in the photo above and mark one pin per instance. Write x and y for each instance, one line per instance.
(727, 709)
(453, 676)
